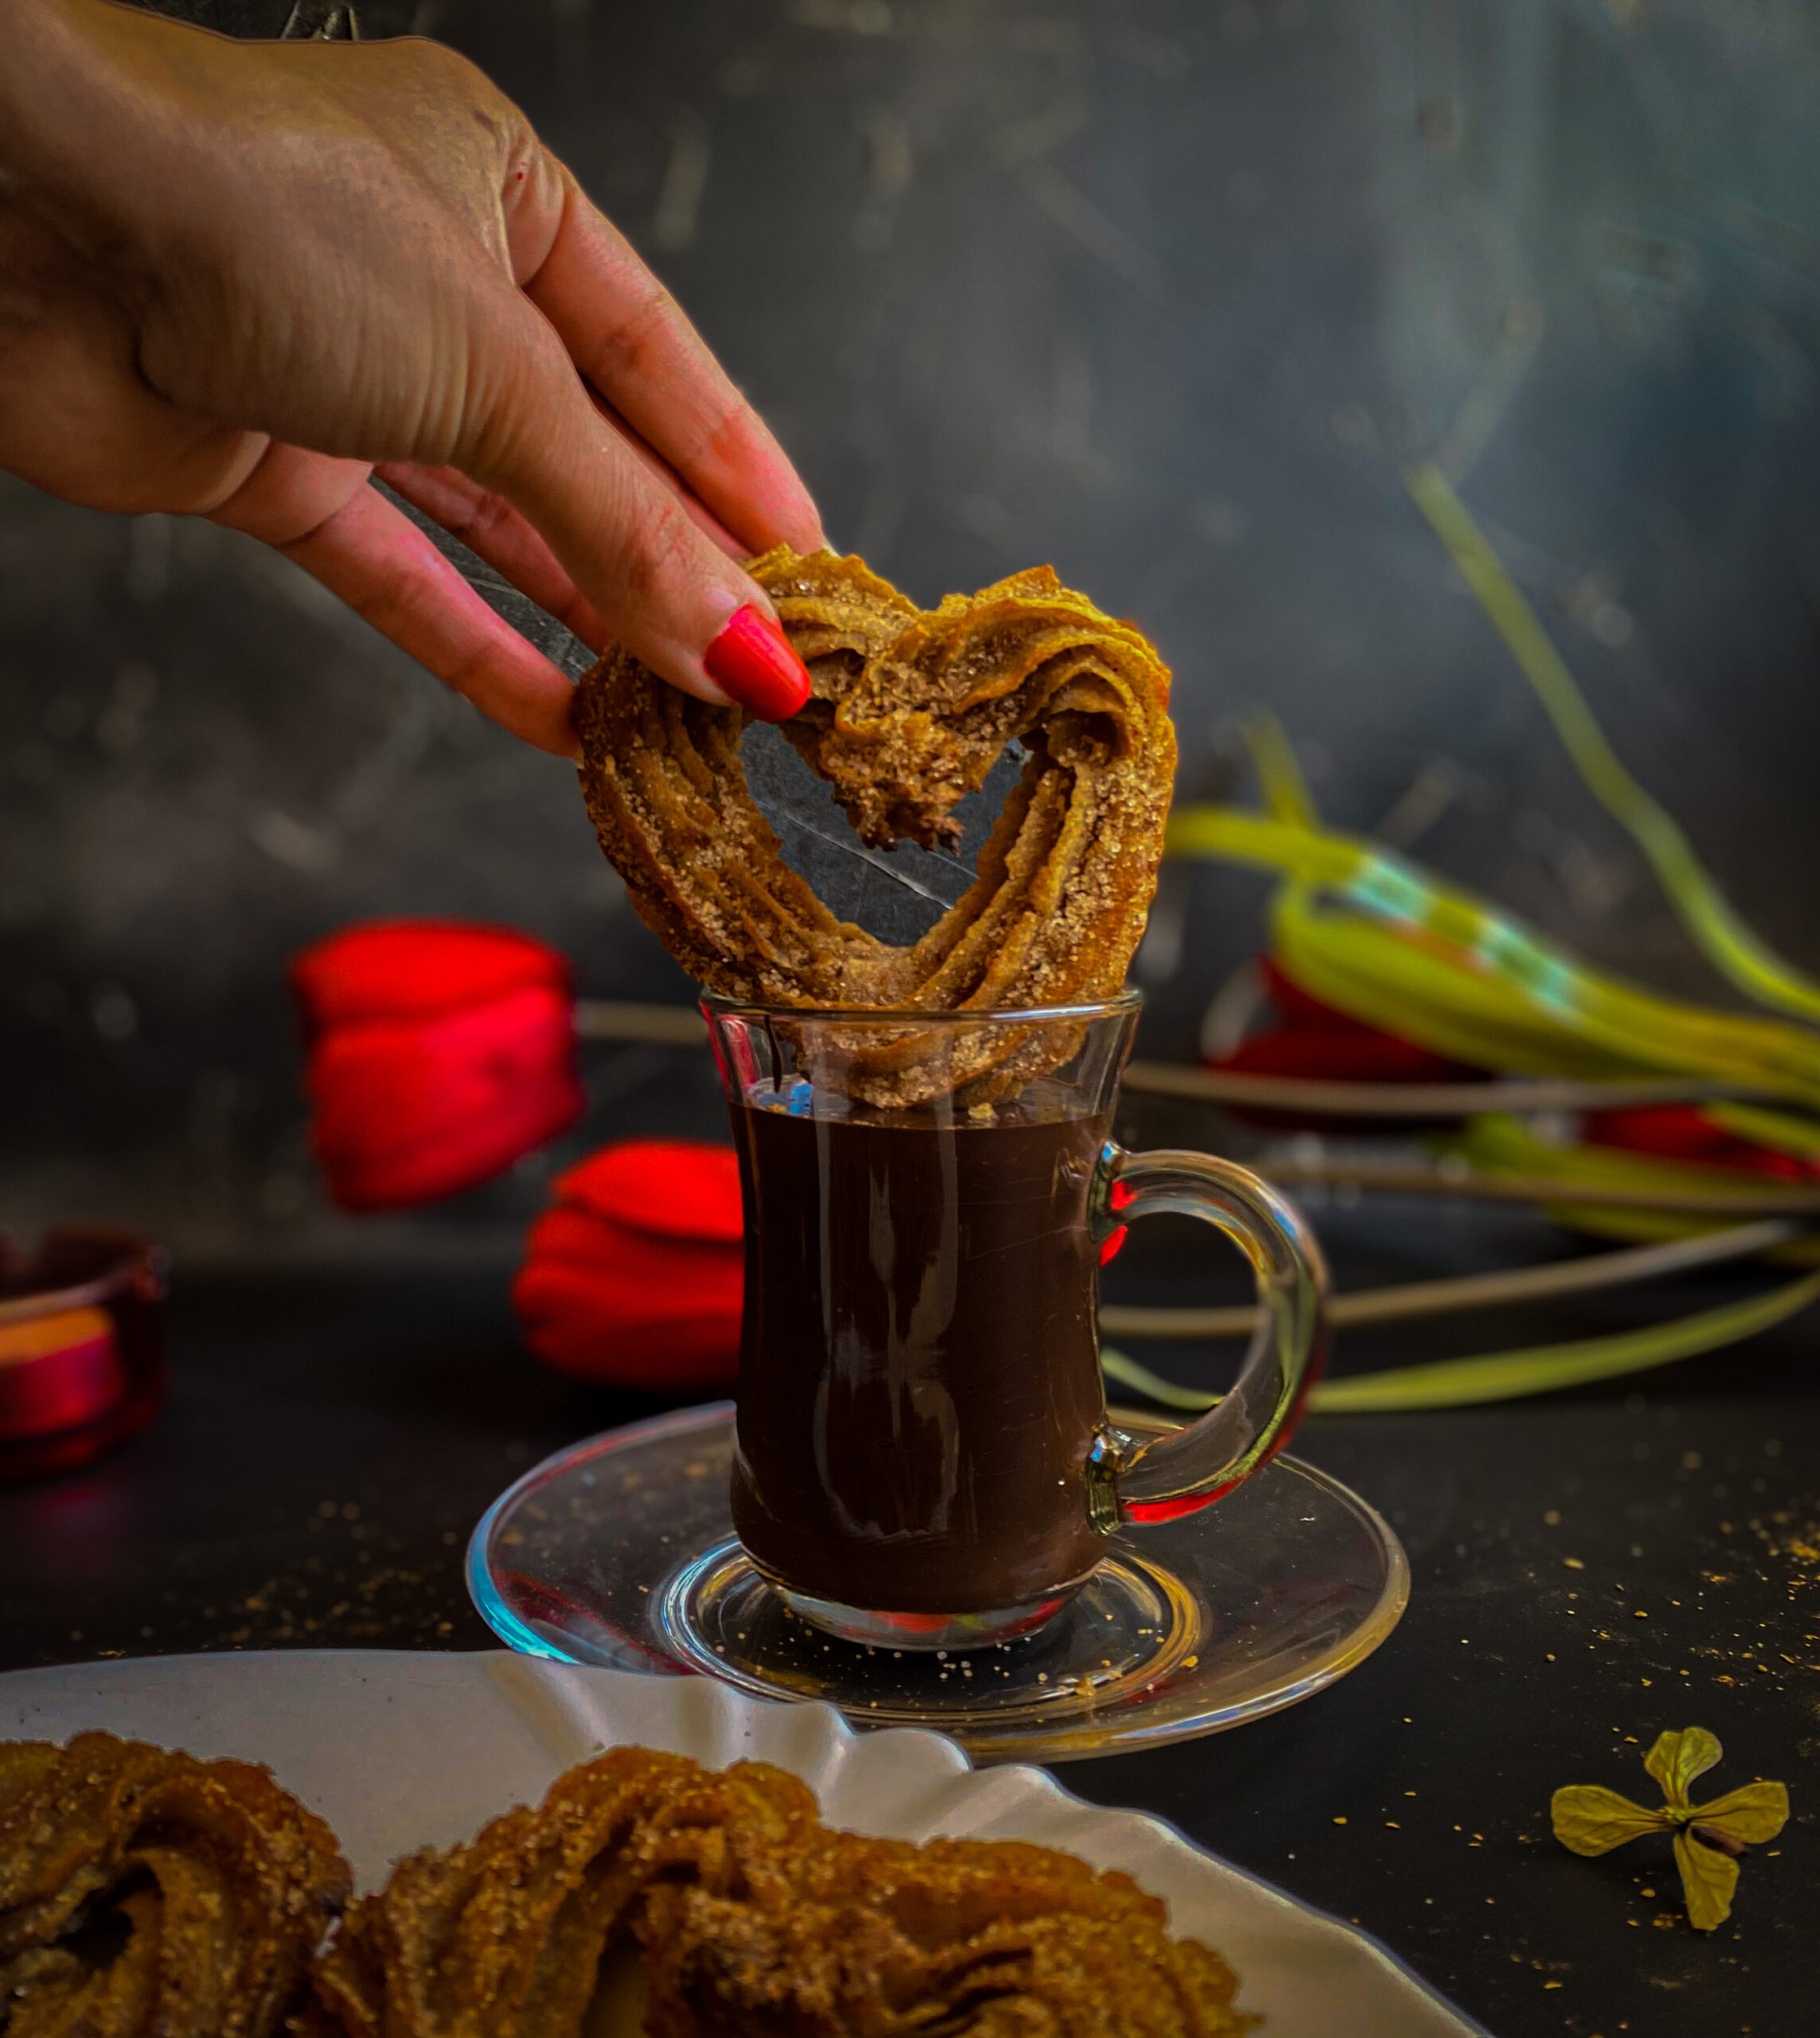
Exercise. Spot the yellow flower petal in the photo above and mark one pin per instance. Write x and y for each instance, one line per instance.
(1591, 1820)
(1676, 1759)
(1707, 1878)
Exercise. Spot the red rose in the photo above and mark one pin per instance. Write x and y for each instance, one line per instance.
(438, 1053)
(635, 1276)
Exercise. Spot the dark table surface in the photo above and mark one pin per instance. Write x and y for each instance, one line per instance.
(1588, 1571)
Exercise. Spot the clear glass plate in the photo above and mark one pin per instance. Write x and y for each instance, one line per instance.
(619, 1551)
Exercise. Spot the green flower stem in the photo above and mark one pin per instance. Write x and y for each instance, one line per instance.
(1510, 1375)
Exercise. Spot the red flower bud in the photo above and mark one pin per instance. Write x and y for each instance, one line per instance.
(635, 1276)
(438, 1053)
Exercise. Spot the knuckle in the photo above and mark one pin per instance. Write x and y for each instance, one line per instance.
(659, 541)
(622, 351)
(451, 92)
(487, 518)
(436, 64)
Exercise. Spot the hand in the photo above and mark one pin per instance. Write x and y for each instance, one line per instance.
(238, 279)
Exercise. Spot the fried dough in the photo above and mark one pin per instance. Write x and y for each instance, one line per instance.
(144, 1894)
(909, 711)
(755, 1919)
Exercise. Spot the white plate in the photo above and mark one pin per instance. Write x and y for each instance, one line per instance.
(397, 1750)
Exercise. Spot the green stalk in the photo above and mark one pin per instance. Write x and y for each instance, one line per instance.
(1731, 946)
(1510, 1375)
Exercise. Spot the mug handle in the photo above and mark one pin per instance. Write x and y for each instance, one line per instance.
(1164, 1477)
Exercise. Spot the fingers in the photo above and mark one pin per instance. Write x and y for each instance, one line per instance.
(620, 532)
(631, 341)
(322, 513)
(703, 518)
(488, 525)
(384, 568)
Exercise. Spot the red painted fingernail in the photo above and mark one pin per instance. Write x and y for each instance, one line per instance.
(750, 662)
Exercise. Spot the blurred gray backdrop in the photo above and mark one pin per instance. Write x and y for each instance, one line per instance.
(1168, 293)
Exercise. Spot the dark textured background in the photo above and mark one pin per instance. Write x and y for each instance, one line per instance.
(1166, 294)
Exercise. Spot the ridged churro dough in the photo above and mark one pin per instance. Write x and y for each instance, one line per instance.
(910, 710)
(752, 1917)
(144, 1894)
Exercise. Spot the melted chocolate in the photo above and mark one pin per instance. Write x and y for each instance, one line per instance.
(919, 1378)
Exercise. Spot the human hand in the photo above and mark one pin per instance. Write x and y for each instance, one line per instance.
(238, 279)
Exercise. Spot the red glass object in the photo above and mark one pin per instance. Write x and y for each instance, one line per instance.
(635, 1276)
(81, 1348)
(439, 1052)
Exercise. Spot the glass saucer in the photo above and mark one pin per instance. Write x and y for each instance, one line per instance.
(619, 1551)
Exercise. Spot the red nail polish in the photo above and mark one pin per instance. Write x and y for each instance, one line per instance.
(751, 661)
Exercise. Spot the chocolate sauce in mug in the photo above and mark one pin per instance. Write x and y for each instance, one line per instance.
(919, 1376)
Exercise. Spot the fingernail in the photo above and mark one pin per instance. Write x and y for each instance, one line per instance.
(750, 662)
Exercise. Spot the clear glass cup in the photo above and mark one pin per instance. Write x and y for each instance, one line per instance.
(924, 1457)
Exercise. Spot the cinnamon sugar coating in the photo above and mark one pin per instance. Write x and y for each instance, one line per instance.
(909, 711)
(144, 1894)
(754, 1918)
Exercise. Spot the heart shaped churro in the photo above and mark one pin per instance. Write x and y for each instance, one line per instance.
(910, 710)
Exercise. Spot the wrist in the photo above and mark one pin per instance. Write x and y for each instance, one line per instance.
(47, 83)
(91, 94)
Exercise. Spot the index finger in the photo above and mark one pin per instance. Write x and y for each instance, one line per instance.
(629, 338)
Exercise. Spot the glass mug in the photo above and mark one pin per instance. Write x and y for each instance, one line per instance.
(923, 1456)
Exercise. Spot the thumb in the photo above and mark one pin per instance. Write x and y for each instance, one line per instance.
(667, 593)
